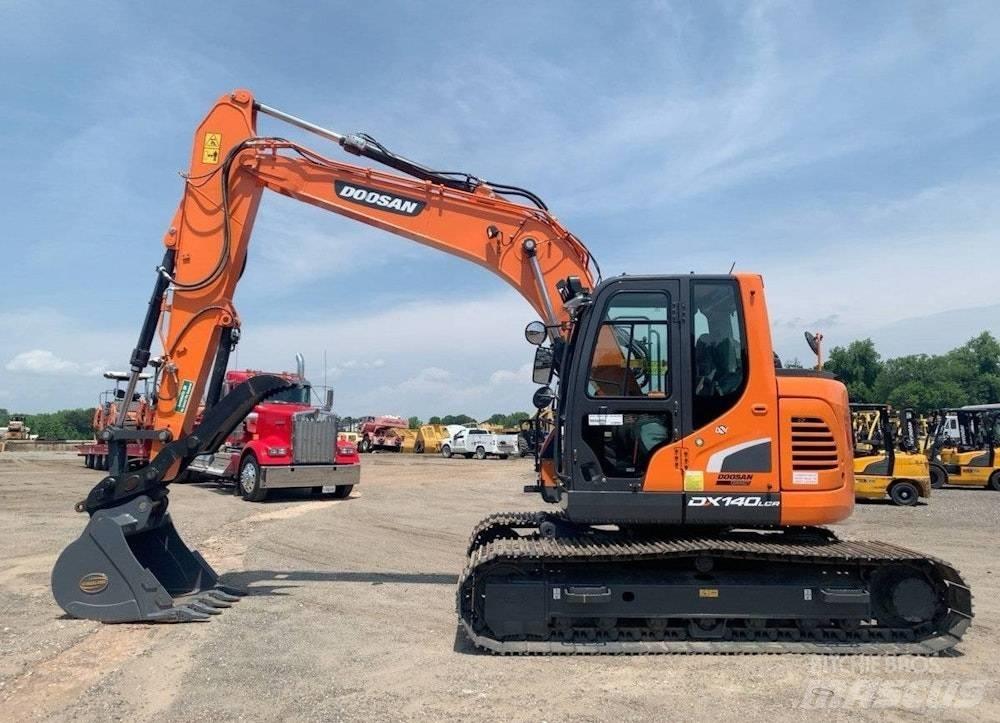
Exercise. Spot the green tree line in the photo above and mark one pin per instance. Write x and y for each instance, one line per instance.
(64, 424)
(504, 420)
(513, 419)
(75, 423)
(969, 374)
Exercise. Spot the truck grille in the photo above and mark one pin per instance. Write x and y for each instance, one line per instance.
(813, 445)
(314, 437)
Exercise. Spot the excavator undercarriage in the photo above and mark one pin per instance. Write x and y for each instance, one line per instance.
(648, 590)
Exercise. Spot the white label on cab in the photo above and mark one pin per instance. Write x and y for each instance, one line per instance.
(805, 478)
(605, 420)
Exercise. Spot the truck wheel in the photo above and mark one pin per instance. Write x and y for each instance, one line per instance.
(904, 494)
(446, 451)
(249, 479)
(994, 483)
(88, 461)
(480, 452)
(365, 445)
(342, 492)
(522, 446)
(939, 477)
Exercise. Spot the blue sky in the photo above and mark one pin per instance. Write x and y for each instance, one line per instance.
(848, 151)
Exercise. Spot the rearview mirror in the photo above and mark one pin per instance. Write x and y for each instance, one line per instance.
(543, 397)
(535, 333)
(541, 372)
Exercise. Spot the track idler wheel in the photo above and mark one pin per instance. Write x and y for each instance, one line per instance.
(130, 565)
(905, 597)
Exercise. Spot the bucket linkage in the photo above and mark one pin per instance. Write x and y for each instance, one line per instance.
(130, 564)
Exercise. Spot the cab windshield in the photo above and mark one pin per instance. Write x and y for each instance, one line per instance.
(295, 395)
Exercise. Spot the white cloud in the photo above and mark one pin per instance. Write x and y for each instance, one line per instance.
(43, 361)
(507, 376)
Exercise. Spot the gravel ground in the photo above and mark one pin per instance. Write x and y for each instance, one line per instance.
(351, 617)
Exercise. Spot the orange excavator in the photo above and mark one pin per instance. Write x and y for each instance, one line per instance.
(689, 477)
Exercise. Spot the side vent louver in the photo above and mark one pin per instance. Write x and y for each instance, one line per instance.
(813, 445)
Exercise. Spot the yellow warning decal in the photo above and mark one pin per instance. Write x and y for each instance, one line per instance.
(210, 151)
(694, 480)
(708, 592)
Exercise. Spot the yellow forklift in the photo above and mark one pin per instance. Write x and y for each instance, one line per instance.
(880, 468)
(964, 455)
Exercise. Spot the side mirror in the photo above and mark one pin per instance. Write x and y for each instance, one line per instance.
(543, 397)
(541, 372)
(329, 400)
(535, 333)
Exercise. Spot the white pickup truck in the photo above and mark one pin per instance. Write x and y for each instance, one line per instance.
(478, 443)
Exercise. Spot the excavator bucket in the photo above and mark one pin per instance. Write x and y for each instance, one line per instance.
(130, 565)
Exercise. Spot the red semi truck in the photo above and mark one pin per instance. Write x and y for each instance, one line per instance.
(285, 442)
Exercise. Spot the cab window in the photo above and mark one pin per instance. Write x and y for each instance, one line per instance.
(718, 348)
(631, 357)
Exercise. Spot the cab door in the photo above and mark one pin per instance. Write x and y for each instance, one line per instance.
(626, 388)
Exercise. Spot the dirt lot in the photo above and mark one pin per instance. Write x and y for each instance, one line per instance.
(351, 617)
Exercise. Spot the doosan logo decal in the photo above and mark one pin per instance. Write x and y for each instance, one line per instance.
(378, 199)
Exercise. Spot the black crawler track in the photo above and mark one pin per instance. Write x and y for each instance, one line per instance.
(509, 543)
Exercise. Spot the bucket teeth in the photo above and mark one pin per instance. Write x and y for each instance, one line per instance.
(201, 607)
(227, 593)
(214, 602)
(180, 614)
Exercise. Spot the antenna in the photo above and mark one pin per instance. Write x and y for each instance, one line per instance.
(732, 267)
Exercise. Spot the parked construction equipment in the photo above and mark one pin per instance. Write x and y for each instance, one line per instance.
(17, 427)
(430, 438)
(533, 432)
(970, 460)
(408, 439)
(139, 415)
(881, 469)
(691, 474)
(384, 432)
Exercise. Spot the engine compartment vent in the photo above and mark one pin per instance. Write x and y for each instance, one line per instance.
(813, 445)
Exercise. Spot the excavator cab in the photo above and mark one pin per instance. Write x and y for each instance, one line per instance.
(649, 398)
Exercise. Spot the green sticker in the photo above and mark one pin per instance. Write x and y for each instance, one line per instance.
(184, 396)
